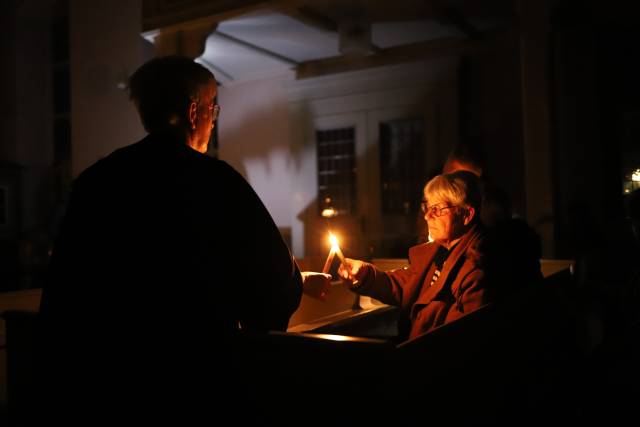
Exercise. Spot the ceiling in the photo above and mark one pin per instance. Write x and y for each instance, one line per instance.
(324, 36)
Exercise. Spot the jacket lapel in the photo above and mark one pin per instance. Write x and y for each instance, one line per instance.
(428, 293)
(419, 257)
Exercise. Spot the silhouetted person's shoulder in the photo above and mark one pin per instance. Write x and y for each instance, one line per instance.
(496, 205)
(154, 154)
(512, 251)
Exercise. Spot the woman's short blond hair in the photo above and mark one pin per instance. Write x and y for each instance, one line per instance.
(460, 188)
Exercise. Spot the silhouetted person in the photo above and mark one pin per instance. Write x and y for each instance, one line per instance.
(164, 257)
(512, 258)
(512, 248)
(629, 243)
(613, 371)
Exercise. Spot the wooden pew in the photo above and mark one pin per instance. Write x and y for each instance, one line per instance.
(492, 365)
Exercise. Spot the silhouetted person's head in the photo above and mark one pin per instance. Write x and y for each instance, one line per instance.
(176, 95)
(464, 157)
(496, 205)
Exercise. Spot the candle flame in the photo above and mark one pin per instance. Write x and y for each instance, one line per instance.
(336, 248)
(333, 240)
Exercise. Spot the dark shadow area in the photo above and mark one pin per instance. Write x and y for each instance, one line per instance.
(517, 362)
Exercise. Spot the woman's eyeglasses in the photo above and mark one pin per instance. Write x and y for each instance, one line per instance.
(434, 210)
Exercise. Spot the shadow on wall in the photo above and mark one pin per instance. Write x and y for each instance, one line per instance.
(259, 130)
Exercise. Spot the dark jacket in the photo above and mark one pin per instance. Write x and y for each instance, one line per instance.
(163, 256)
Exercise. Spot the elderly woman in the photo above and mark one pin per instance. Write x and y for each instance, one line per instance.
(444, 280)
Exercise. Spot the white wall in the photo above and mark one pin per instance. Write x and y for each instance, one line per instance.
(105, 47)
(255, 138)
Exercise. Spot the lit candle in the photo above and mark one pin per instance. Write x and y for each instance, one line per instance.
(336, 248)
(327, 264)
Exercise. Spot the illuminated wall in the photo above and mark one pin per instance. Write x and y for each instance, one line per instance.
(254, 138)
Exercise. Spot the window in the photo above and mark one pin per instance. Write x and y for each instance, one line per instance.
(402, 170)
(336, 170)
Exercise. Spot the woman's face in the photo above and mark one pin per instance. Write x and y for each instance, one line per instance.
(446, 221)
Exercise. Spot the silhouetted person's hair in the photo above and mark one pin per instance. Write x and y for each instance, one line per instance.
(464, 157)
(162, 89)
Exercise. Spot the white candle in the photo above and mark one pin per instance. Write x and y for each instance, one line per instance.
(327, 264)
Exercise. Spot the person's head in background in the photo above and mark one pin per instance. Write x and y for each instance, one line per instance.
(464, 157)
(496, 203)
(176, 95)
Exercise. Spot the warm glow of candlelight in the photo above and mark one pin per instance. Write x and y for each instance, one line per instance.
(329, 213)
(333, 240)
(335, 247)
(340, 256)
(333, 337)
(327, 264)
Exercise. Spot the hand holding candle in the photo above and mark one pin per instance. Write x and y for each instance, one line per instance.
(317, 285)
(351, 271)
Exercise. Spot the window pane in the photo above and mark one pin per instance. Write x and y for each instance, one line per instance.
(336, 169)
(402, 160)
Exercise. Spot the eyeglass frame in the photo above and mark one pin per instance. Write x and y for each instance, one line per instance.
(434, 210)
(215, 111)
(214, 108)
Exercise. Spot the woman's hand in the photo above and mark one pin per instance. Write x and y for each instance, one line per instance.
(351, 271)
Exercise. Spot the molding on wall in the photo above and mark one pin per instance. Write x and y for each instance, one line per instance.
(407, 75)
